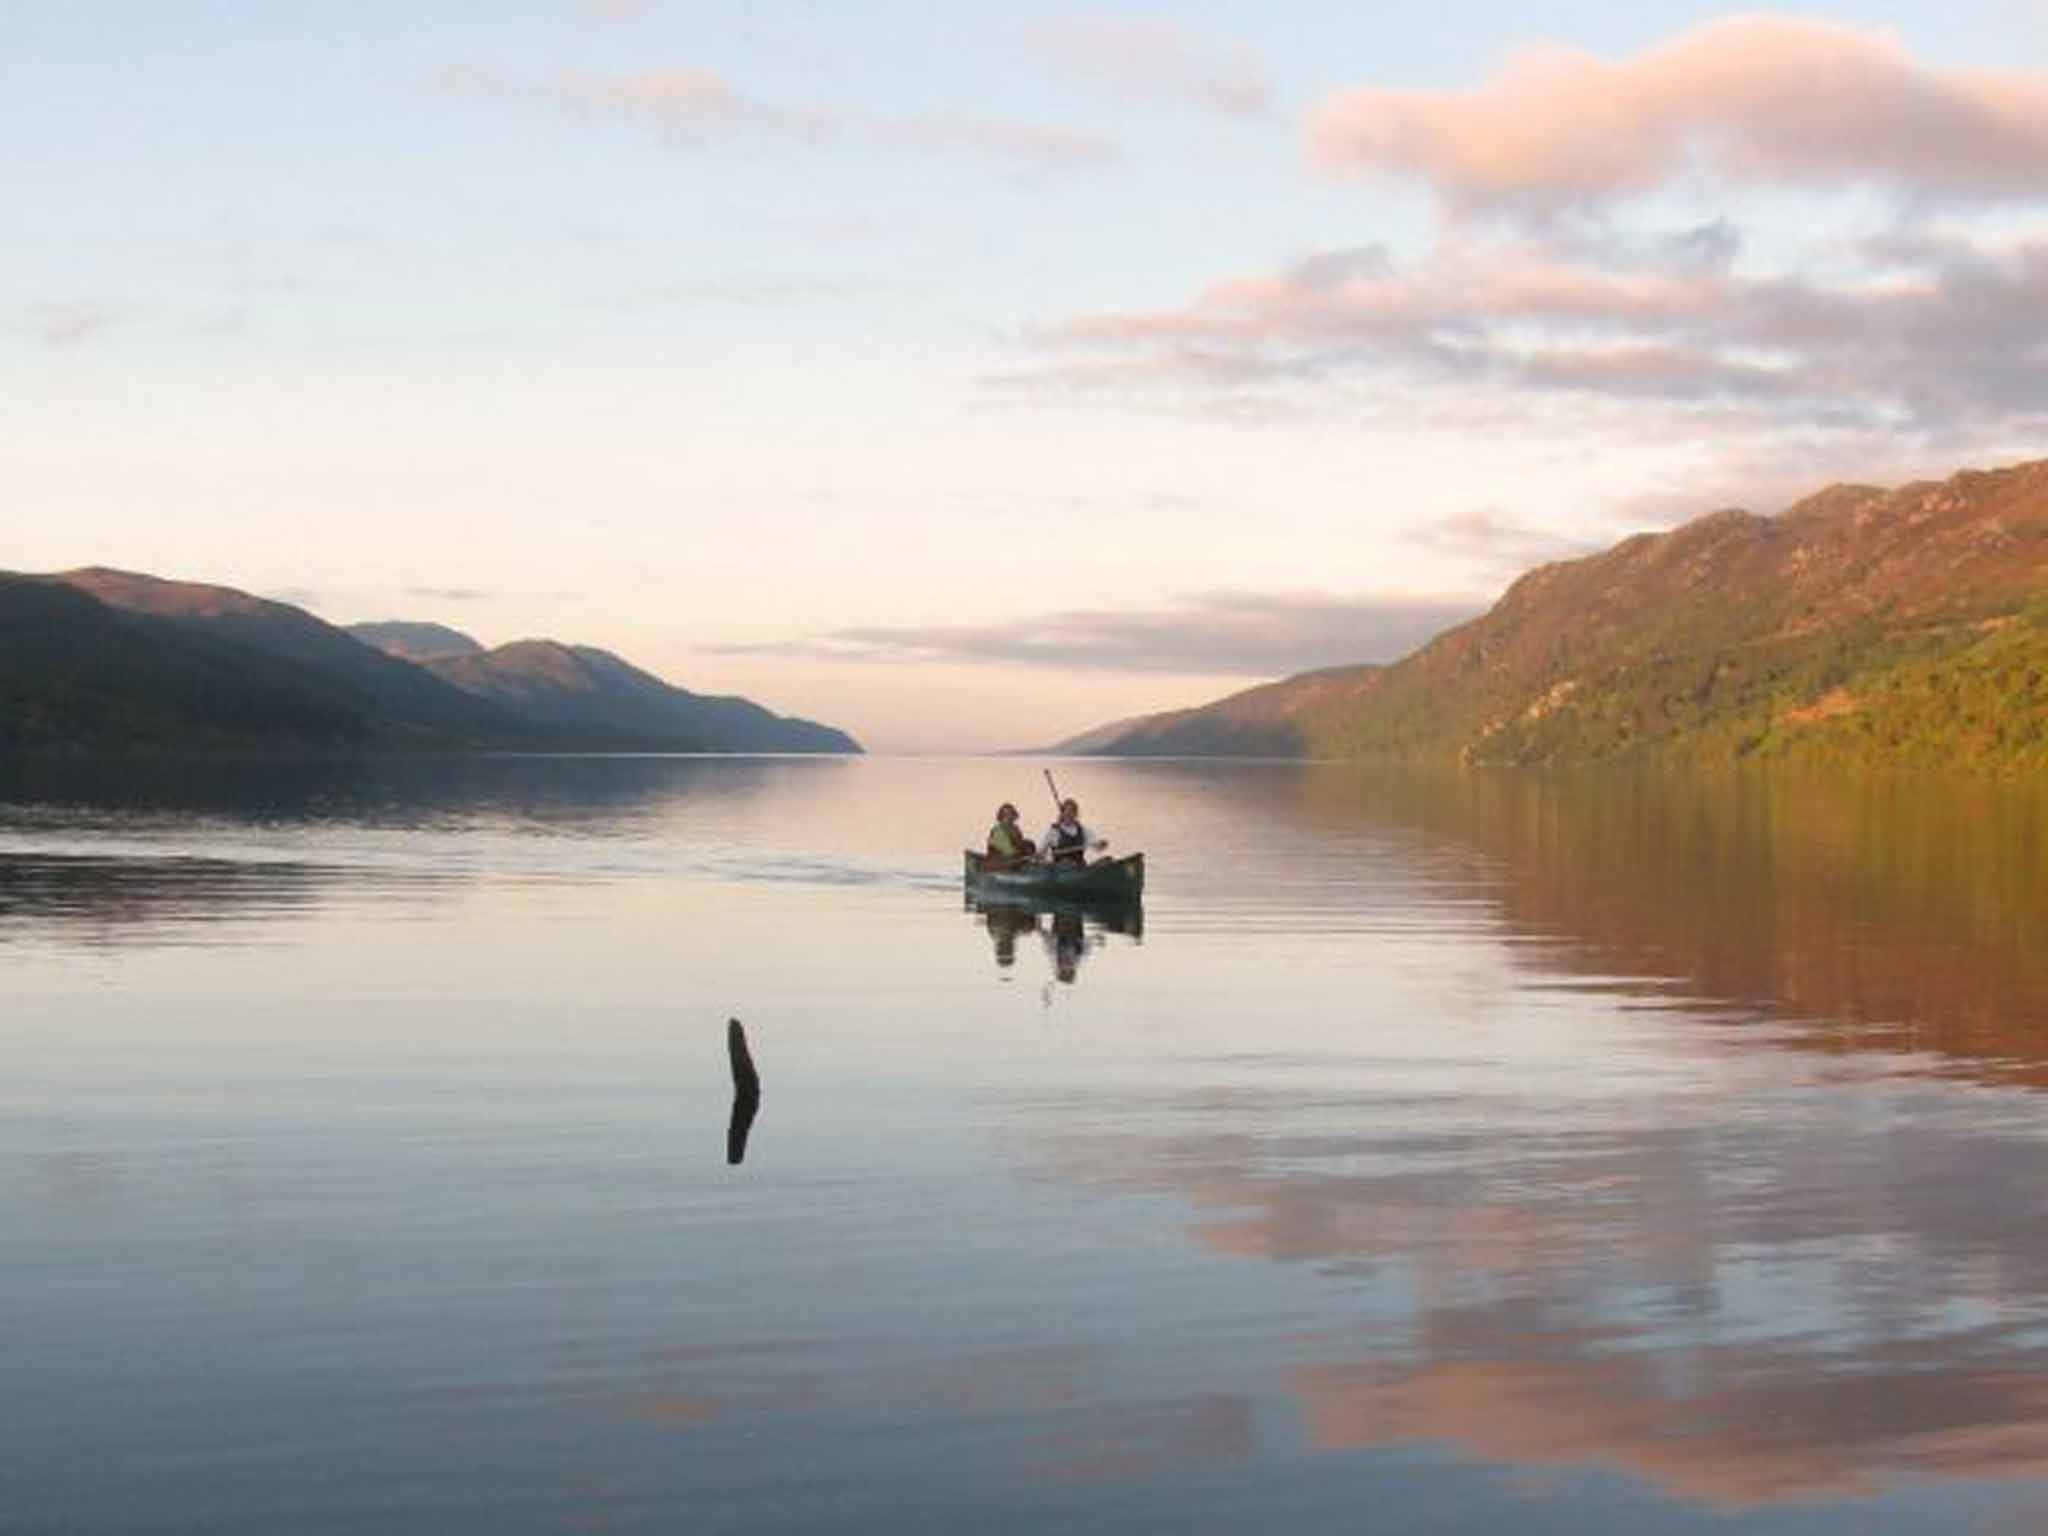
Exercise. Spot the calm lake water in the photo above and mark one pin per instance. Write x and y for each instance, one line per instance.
(1462, 1153)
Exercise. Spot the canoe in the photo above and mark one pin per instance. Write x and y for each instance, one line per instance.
(1105, 880)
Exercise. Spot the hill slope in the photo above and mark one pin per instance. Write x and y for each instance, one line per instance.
(1906, 626)
(1271, 720)
(75, 673)
(107, 660)
(581, 686)
(402, 697)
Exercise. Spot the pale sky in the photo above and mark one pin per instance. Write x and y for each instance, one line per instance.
(965, 376)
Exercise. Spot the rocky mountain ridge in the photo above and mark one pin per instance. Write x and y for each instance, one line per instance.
(1896, 626)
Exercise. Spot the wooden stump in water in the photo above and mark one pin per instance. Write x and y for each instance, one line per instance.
(746, 1093)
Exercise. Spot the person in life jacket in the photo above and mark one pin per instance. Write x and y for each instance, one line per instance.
(1066, 840)
(1007, 845)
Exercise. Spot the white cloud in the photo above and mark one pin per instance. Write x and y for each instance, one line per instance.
(696, 107)
(1493, 541)
(1244, 634)
(748, 290)
(1153, 59)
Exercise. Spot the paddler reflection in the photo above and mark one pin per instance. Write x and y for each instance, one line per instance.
(1066, 941)
(1067, 933)
(1004, 925)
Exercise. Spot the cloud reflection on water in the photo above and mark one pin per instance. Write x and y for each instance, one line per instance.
(1845, 1292)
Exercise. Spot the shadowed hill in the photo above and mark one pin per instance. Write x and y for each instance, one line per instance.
(413, 641)
(405, 698)
(76, 673)
(582, 686)
(1904, 626)
(112, 660)
(105, 660)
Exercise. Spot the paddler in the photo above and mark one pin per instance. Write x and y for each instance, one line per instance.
(1008, 847)
(1067, 841)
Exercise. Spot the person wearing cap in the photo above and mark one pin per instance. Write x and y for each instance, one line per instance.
(1007, 845)
(1067, 841)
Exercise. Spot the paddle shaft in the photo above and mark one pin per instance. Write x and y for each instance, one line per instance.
(1060, 805)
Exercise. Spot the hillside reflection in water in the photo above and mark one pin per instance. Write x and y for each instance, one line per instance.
(1895, 914)
(1471, 1152)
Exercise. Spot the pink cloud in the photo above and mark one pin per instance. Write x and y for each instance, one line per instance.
(1361, 294)
(1756, 99)
(70, 323)
(1149, 59)
(674, 97)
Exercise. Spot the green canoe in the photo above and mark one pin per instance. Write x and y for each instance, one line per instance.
(1104, 880)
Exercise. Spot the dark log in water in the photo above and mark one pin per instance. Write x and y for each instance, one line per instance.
(746, 1093)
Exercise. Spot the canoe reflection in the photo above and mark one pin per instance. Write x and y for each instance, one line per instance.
(1068, 930)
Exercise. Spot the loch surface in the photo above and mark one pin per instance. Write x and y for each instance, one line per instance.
(1459, 1152)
